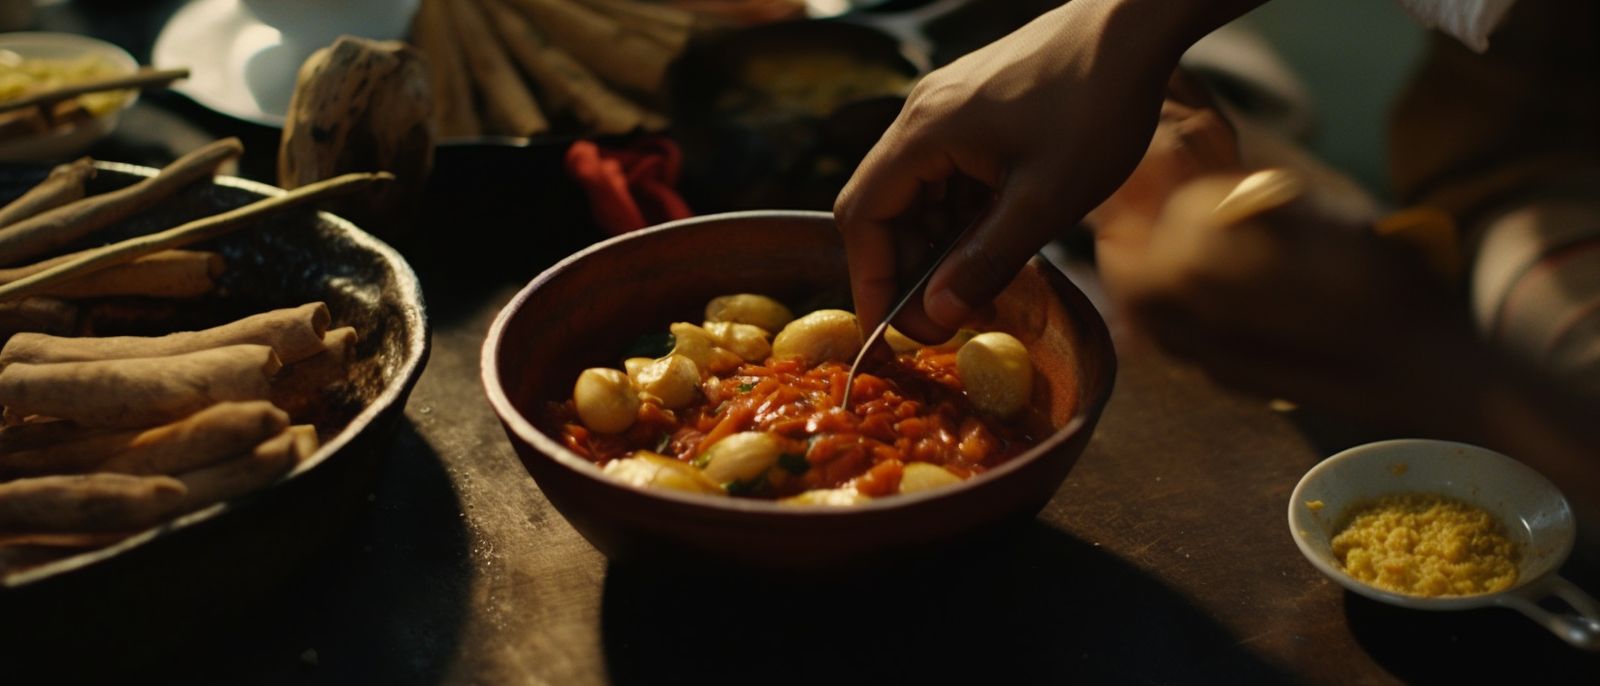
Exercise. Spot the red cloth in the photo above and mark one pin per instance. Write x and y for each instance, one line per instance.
(629, 187)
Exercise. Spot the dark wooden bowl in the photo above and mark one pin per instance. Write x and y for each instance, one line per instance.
(173, 580)
(582, 311)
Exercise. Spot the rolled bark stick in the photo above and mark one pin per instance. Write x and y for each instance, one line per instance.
(35, 435)
(65, 184)
(41, 315)
(433, 31)
(565, 81)
(294, 333)
(41, 233)
(88, 502)
(617, 55)
(233, 478)
(138, 392)
(509, 107)
(193, 232)
(166, 274)
(668, 26)
(300, 385)
(196, 441)
(143, 78)
(305, 441)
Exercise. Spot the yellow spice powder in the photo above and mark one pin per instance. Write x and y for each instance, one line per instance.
(1427, 545)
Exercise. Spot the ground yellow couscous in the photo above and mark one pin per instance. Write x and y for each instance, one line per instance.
(1426, 545)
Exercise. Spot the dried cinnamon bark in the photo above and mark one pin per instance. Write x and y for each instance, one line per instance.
(293, 333)
(65, 184)
(39, 234)
(566, 82)
(196, 441)
(509, 107)
(263, 465)
(166, 274)
(138, 392)
(433, 31)
(206, 228)
(88, 502)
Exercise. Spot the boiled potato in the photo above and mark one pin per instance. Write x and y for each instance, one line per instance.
(747, 308)
(997, 372)
(674, 380)
(834, 497)
(694, 343)
(632, 365)
(606, 400)
(644, 468)
(819, 337)
(921, 476)
(748, 341)
(699, 345)
(742, 456)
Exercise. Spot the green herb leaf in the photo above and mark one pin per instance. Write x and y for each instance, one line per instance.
(746, 387)
(651, 345)
(794, 464)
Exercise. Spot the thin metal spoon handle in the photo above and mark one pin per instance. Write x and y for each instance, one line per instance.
(883, 326)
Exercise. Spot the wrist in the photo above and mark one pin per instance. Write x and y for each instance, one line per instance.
(1139, 41)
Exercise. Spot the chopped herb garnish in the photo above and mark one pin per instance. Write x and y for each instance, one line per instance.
(663, 442)
(701, 460)
(746, 387)
(651, 345)
(794, 464)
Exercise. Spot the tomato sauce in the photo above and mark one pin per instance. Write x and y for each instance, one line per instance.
(912, 409)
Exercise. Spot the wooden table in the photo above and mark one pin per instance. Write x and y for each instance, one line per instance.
(1164, 558)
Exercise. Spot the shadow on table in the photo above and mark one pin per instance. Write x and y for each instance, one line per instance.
(493, 214)
(1493, 645)
(383, 603)
(1033, 604)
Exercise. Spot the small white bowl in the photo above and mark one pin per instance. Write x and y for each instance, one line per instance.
(1535, 514)
(64, 142)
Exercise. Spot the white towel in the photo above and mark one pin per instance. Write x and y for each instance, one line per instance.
(1470, 21)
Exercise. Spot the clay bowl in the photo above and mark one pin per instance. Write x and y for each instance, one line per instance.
(582, 311)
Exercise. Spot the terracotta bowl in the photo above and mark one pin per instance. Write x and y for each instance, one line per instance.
(584, 310)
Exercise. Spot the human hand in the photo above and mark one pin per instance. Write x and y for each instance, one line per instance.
(1290, 303)
(1049, 119)
(1192, 140)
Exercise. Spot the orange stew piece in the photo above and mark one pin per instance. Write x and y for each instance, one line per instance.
(911, 410)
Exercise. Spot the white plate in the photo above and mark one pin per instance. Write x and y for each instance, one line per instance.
(243, 55)
(62, 142)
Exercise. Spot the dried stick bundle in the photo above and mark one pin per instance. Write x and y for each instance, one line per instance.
(65, 184)
(567, 83)
(199, 440)
(193, 232)
(293, 333)
(508, 105)
(47, 231)
(138, 392)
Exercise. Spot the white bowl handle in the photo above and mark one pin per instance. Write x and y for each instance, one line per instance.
(1580, 628)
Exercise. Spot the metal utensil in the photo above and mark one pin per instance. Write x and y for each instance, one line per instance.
(878, 332)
